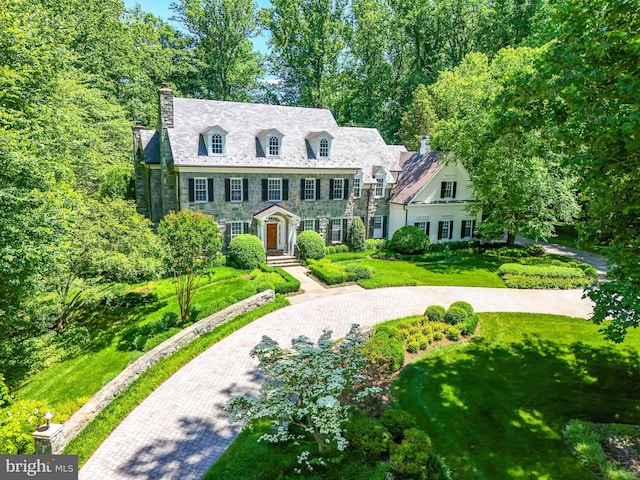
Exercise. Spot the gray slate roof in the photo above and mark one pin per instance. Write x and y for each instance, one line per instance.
(417, 171)
(351, 147)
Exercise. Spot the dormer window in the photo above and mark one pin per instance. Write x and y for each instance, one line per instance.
(319, 144)
(215, 139)
(324, 148)
(274, 146)
(217, 144)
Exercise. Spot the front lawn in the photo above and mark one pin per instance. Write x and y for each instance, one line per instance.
(67, 385)
(496, 407)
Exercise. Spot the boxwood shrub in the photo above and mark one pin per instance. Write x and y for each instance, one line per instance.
(463, 305)
(435, 313)
(375, 244)
(516, 275)
(246, 252)
(331, 273)
(290, 285)
(409, 239)
(368, 438)
(397, 421)
(310, 245)
(455, 316)
(385, 352)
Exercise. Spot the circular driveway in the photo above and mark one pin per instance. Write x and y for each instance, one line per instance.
(181, 428)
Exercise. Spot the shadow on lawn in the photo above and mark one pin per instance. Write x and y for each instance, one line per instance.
(462, 264)
(498, 411)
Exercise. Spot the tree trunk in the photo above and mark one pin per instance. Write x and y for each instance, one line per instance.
(511, 239)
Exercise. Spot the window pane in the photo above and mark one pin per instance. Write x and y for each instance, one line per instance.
(236, 229)
(447, 189)
(275, 190)
(236, 189)
(200, 189)
(379, 187)
(377, 221)
(274, 146)
(309, 224)
(216, 143)
(338, 184)
(422, 226)
(356, 187)
(336, 230)
(324, 147)
(309, 189)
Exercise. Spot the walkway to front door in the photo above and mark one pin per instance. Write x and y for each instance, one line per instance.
(272, 236)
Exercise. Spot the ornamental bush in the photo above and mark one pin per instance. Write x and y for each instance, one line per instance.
(455, 316)
(435, 313)
(360, 271)
(368, 438)
(385, 352)
(246, 252)
(463, 305)
(410, 458)
(397, 421)
(310, 245)
(355, 235)
(409, 239)
(376, 244)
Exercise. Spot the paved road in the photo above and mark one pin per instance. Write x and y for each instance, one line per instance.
(181, 428)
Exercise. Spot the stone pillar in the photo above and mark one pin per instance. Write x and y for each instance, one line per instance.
(49, 440)
(165, 112)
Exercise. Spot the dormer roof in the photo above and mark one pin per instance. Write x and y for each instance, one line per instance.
(316, 135)
(214, 129)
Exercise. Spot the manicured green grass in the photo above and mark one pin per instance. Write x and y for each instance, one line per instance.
(496, 407)
(469, 270)
(65, 386)
(248, 459)
(91, 437)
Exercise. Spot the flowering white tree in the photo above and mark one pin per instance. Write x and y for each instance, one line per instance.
(310, 386)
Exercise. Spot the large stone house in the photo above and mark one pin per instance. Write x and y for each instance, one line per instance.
(271, 171)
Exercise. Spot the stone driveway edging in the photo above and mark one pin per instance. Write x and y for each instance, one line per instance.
(106, 394)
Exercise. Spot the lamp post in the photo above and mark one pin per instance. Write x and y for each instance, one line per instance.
(47, 417)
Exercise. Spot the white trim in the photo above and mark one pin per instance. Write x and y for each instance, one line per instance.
(269, 190)
(359, 179)
(196, 190)
(340, 222)
(259, 170)
(304, 193)
(231, 180)
(231, 224)
(343, 194)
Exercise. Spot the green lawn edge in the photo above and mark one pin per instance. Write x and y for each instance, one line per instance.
(90, 438)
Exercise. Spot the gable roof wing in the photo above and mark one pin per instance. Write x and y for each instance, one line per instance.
(418, 171)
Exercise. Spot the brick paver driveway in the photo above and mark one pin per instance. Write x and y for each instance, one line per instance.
(181, 428)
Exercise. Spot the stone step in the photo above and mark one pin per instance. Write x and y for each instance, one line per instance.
(282, 261)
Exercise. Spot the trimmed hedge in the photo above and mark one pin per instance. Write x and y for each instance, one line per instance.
(310, 245)
(535, 282)
(409, 239)
(291, 284)
(516, 275)
(331, 273)
(376, 244)
(545, 271)
(246, 252)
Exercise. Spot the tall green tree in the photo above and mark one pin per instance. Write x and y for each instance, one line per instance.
(418, 119)
(226, 67)
(306, 40)
(517, 175)
(192, 242)
(589, 75)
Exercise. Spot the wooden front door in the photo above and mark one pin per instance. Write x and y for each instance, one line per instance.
(272, 236)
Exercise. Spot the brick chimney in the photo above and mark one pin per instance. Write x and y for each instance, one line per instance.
(165, 111)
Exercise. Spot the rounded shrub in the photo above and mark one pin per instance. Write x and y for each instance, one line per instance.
(435, 313)
(453, 334)
(409, 239)
(310, 245)
(463, 305)
(413, 347)
(410, 458)
(360, 271)
(246, 252)
(355, 235)
(455, 315)
(397, 421)
(368, 438)
(385, 352)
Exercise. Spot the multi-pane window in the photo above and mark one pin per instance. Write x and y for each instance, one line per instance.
(274, 190)
(338, 188)
(357, 187)
(324, 148)
(236, 229)
(200, 190)
(448, 190)
(217, 145)
(423, 225)
(309, 188)
(274, 146)
(445, 229)
(309, 224)
(235, 186)
(467, 228)
(336, 230)
(379, 187)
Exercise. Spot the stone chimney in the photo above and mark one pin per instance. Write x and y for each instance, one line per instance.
(165, 111)
(136, 136)
(424, 145)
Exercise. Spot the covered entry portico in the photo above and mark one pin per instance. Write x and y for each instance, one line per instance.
(277, 229)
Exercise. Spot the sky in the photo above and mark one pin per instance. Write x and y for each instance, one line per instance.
(160, 8)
